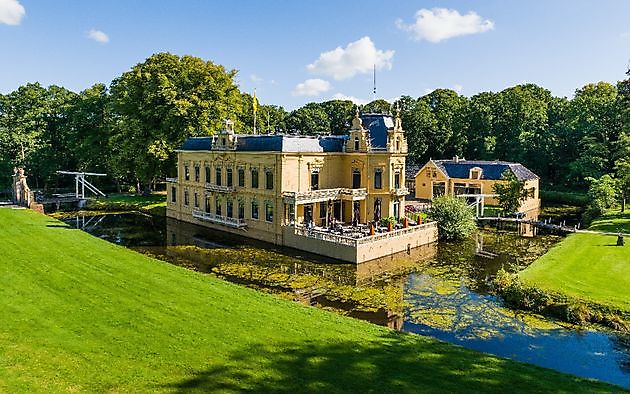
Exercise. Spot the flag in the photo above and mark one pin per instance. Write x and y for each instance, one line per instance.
(255, 102)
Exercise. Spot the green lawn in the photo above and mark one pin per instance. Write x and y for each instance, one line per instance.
(588, 266)
(154, 203)
(80, 314)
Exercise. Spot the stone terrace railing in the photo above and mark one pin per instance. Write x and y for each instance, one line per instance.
(350, 241)
(219, 188)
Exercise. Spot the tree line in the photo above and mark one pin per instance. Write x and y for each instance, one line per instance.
(131, 128)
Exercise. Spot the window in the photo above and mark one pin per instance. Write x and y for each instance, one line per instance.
(254, 209)
(475, 173)
(228, 175)
(217, 206)
(207, 204)
(197, 171)
(269, 180)
(186, 201)
(217, 176)
(290, 210)
(315, 180)
(241, 177)
(186, 173)
(439, 188)
(229, 211)
(397, 144)
(173, 194)
(378, 178)
(531, 193)
(254, 178)
(356, 143)
(397, 180)
(268, 212)
(196, 200)
(241, 210)
(208, 174)
(356, 179)
(397, 210)
(459, 188)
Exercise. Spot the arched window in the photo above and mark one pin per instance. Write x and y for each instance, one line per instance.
(356, 143)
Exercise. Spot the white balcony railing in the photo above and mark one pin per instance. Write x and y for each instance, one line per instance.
(325, 195)
(400, 191)
(219, 188)
(171, 180)
(218, 219)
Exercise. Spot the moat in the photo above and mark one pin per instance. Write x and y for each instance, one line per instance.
(440, 290)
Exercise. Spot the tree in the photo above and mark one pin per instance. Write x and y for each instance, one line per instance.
(310, 119)
(455, 220)
(419, 125)
(340, 114)
(160, 102)
(520, 116)
(378, 106)
(481, 142)
(596, 123)
(602, 194)
(450, 111)
(510, 193)
(269, 118)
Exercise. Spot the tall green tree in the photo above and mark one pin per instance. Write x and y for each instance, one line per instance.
(378, 106)
(340, 114)
(310, 119)
(450, 111)
(160, 102)
(481, 142)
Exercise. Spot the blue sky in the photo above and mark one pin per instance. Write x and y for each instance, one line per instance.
(278, 46)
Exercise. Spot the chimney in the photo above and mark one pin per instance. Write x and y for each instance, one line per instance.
(456, 159)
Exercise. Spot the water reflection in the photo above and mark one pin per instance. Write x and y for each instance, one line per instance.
(438, 290)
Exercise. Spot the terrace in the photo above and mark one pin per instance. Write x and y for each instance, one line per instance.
(314, 196)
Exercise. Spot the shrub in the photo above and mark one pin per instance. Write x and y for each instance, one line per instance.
(568, 198)
(455, 220)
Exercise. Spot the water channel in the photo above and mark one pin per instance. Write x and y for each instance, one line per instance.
(439, 290)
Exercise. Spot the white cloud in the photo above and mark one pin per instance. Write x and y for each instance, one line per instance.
(11, 12)
(438, 24)
(358, 57)
(255, 78)
(356, 100)
(98, 36)
(311, 87)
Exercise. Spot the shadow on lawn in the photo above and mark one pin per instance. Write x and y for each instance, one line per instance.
(397, 363)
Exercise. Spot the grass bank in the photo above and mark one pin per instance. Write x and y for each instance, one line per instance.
(80, 314)
(154, 204)
(587, 272)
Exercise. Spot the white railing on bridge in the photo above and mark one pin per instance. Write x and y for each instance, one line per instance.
(218, 219)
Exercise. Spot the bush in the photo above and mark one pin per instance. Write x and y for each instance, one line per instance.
(568, 198)
(455, 220)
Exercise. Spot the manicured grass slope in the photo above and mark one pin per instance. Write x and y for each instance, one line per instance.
(588, 266)
(80, 314)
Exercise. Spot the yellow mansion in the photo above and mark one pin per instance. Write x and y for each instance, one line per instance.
(311, 193)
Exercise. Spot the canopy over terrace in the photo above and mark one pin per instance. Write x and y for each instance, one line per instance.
(330, 203)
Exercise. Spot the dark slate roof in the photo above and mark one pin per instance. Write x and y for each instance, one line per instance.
(378, 126)
(411, 170)
(197, 143)
(274, 143)
(490, 169)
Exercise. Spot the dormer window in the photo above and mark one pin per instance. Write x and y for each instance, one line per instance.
(356, 144)
(475, 173)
